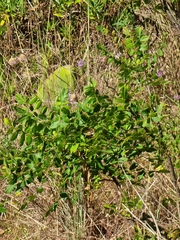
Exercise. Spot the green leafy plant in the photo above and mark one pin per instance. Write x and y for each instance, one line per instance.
(104, 142)
(99, 137)
(9, 9)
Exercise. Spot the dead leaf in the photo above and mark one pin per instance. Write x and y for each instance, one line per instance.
(13, 61)
(1, 231)
(22, 58)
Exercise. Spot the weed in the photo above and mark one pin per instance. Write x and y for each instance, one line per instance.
(107, 166)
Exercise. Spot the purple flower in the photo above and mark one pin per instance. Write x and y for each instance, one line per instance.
(80, 63)
(160, 73)
(177, 97)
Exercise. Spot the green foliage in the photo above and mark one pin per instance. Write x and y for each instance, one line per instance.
(137, 66)
(2, 208)
(62, 7)
(10, 9)
(4, 21)
(97, 7)
(141, 235)
(111, 208)
(174, 234)
(101, 136)
(14, 7)
(125, 18)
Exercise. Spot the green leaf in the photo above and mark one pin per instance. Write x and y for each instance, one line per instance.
(43, 110)
(107, 151)
(139, 31)
(141, 175)
(143, 47)
(7, 122)
(129, 44)
(102, 48)
(2, 209)
(123, 159)
(107, 206)
(22, 138)
(126, 31)
(155, 58)
(38, 105)
(151, 174)
(23, 206)
(74, 148)
(40, 190)
(160, 108)
(100, 166)
(28, 139)
(10, 188)
(61, 15)
(51, 209)
(50, 89)
(156, 119)
(30, 165)
(20, 99)
(131, 52)
(14, 136)
(21, 111)
(144, 39)
(160, 52)
(33, 100)
(31, 198)
(55, 124)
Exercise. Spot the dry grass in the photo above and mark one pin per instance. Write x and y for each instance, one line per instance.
(158, 211)
(158, 205)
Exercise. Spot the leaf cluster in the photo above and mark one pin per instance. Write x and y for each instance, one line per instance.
(101, 136)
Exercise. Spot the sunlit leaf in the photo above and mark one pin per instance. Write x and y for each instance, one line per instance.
(10, 188)
(74, 148)
(20, 99)
(55, 124)
(2, 209)
(7, 122)
(49, 89)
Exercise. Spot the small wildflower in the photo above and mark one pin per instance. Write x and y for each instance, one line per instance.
(177, 97)
(18, 194)
(160, 73)
(118, 55)
(80, 63)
